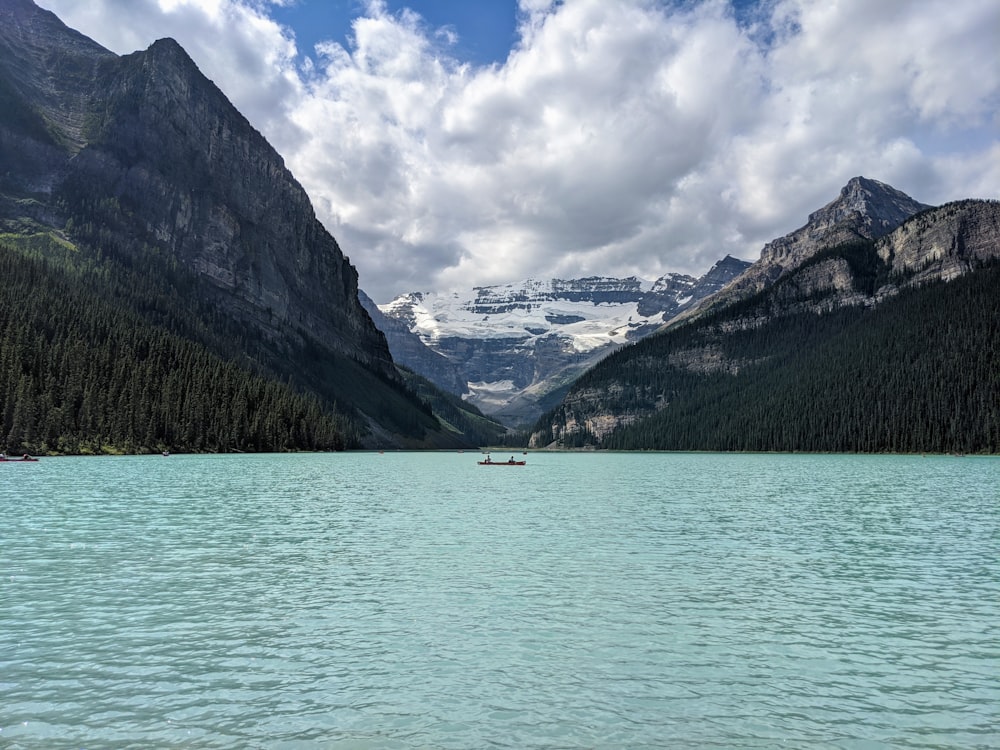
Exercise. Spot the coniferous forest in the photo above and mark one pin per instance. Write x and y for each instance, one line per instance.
(919, 373)
(82, 372)
(117, 350)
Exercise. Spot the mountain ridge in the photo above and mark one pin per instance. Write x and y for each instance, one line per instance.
(865, 209)
(664, 392)
(510, 348)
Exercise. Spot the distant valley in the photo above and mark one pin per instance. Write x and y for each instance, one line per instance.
(513, 349)
(872, 328)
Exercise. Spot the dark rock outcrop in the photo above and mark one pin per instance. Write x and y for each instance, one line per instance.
(184, 167)
(943, 243)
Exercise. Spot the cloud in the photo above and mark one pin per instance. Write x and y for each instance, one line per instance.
(636, 137)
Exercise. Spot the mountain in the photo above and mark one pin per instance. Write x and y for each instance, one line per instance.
(865, 209)
(847, 335)
(136, 172)
(513, 349)
(408, 349)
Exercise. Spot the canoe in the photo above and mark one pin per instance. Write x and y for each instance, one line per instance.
(502, 463)
(25, 459)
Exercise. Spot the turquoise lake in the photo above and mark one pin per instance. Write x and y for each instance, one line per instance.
(418, 600)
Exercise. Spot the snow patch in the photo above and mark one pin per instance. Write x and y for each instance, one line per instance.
(497, 386)
(515, 315)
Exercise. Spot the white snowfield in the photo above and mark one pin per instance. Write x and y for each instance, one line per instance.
(539, 309)
(513, 344)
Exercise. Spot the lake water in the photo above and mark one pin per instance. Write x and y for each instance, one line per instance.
(418, 600)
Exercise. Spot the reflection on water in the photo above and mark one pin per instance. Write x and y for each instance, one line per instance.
(418, 600)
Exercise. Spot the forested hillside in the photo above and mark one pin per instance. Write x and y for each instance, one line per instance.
(455, 414)
(81, 372)
(920, 372)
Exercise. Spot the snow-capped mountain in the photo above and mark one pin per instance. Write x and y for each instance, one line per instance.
(516, 347)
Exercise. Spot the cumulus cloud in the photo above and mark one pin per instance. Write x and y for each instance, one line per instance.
(635, 137)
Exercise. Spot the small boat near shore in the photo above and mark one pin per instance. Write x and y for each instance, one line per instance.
(511, 462)
(23, 459)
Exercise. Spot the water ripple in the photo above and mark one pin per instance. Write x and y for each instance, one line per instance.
(415, 600)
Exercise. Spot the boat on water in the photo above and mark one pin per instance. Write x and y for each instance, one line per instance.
(4, 458)
(490, 462)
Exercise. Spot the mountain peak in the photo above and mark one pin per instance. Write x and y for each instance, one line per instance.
(865, 183)
(47, 71)
(865, 209)
(870, 207)
(169, 48)
(36, 31)
(25, 11)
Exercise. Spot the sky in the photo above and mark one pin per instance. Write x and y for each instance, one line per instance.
(462, 143)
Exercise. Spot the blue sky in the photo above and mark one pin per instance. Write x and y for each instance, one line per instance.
(450, 144)
(486, 29)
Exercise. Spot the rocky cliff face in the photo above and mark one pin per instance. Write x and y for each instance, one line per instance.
(149, 146)
(865, 209)
(511, 349)
(939, 244)
(141, 169)
(943, 243)
(47, 76)
(50, 74)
